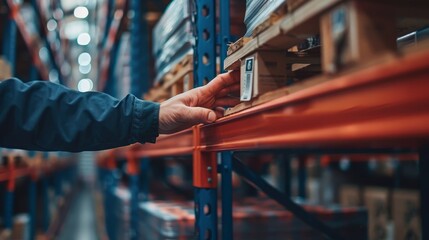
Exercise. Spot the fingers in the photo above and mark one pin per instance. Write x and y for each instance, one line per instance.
(223, 81)
(220, 112)
(231, 90)
(201, 115)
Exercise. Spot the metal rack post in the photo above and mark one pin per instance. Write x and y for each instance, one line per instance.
(225, 32)
(45, 202)
(109, 186)
(205, 52)
(9, 195)
(287, 171)
(133, 174)
(205, 164)
(32, 188)
(58, 178)
(9, 42)
(110, 86)
(226, 171)
(424, 191)
(144, 178)
(302, 177)
(140, 53)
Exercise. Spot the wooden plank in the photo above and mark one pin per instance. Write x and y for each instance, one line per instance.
(179, 71)
(266, 97)
(287, 32)
(233, 47)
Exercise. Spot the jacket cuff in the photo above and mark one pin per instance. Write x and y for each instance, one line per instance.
(145, 126)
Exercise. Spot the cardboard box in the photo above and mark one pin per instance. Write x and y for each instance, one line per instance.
(350, 196)
(5, 70)
(356, 31)
(406, 214)
(262, 72)
(377, 202)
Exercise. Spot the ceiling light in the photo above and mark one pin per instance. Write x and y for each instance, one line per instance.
(81, 12)
(83, 39)
(85, 85)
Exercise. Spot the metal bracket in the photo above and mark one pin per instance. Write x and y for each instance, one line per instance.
(204, 164)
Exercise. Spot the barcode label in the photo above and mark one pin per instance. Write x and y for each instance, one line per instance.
(247, 83)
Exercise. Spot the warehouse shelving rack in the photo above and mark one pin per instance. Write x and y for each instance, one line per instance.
(116, 13)
(33, 42)
(394, 94)
(39, 168)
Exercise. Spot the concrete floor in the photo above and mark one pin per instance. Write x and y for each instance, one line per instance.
(80, 222)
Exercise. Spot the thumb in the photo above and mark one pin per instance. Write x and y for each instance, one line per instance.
(201, 115)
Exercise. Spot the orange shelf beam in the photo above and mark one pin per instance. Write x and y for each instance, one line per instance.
(384, 106)
(381, 106)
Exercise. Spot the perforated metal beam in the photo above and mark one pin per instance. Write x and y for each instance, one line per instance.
(205, 51)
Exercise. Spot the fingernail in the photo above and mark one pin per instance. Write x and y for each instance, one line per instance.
(211, 117)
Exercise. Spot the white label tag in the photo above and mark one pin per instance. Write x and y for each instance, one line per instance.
(247, 83)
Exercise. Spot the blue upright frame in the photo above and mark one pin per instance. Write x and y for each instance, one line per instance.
(225, 32)
(9, 42)
(424, 191)
(226, 171)
(144, 178)
(8, 209)
(204, 71)
(205, 52)
(32, 189)
(134, 216)
(140, 53)
(9, 51)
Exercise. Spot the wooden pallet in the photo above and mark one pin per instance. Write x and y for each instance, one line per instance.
(319, 79)
(179, 79)
(281, 11)
(352, 32)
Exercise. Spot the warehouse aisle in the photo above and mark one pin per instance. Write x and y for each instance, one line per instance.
(80, 223)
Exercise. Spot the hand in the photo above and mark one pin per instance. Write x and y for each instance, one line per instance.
(199, 105)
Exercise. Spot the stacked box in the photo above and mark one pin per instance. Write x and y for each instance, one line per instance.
(21, 227)
(406, 214)
(258, 11)
(253, 219)
(377, 202)
(173, 36)
(350, 196)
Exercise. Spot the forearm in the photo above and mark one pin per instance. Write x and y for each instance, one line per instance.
(50, 117)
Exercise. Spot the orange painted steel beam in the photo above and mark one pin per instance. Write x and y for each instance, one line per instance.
(204, 164)
(382, 106)
(181, 143)
(386, 105)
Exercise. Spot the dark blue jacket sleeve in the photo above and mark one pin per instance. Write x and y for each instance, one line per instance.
(46, 116)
